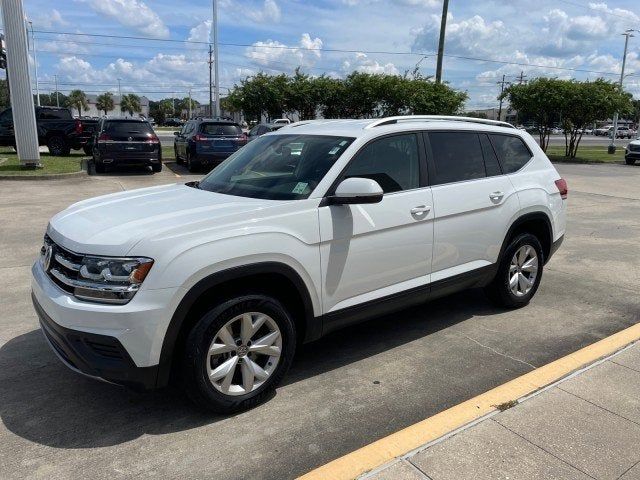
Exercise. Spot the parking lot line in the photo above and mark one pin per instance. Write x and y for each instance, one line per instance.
(414, 436)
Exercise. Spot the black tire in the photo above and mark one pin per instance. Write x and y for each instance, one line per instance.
(630, 161)
(58, 146)
(157, 167)
(88, 150)
(498, 291)
(100, 168)
(194, 368)
(192, 165)
(177, 157)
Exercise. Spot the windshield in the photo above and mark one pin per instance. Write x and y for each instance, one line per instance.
(277, 167)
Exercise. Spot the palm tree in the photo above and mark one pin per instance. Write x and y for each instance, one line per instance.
(104, 102)
(77, 99)
(130, 103)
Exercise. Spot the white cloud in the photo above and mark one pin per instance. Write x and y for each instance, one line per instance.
(273, 53)
(362, 63)
(50, 19)
(132, 13)
(270, 12)
(201, 32)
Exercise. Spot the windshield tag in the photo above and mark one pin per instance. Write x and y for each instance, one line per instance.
(300, 188)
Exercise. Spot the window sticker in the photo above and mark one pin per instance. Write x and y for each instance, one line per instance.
(300, 188)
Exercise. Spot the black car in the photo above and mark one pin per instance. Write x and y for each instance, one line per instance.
(173, 122)
(126, 141)
(263, 128)
(207, 142)
(57, 129)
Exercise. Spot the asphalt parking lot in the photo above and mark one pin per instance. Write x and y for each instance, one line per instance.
(344, 391)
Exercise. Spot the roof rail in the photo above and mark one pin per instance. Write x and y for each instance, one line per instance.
(427, 118)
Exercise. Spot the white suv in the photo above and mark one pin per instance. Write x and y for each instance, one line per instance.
(319, 225)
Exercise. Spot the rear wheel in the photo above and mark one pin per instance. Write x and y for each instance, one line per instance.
(238, 352)
(192, 165)
(157, 167)
(88, 150)
(100, 168)
(519, 273)
(58, 146)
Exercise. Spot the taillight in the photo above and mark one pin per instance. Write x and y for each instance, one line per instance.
(243, 139)
(562, 188)
(79, 126)
(104, 138)
(153, 138)
(200, 138)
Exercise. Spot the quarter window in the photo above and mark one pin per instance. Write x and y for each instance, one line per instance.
(490, 160)
(457, 156)
(512, 152)
(393, 162)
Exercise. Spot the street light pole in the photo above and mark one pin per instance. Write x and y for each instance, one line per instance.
(57, 97)
(443, 27)
(35, 62)
(612, 146)
(214, 26)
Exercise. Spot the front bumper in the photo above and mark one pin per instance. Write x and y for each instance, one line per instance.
(635, 155)
(98, 356)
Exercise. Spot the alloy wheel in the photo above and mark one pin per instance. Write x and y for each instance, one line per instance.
(244, 353)
(523, 270)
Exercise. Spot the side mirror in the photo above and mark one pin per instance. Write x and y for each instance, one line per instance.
(355, 191)
(176, 133)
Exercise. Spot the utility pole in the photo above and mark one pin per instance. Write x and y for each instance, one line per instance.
(210, 84)
(521, 78)
(119, 90)
(24, 121)
(628, 33)
(57, 97)
(35, 62)
(443, 27)
(189, 104)
(214, 26)
(502, 84)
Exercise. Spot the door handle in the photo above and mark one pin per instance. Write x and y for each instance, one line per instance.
(420, 209)
(496, 196)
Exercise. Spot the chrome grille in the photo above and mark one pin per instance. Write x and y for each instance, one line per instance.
(64, 265)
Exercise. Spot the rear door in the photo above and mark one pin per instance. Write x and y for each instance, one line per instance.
(219, 138)
(474, 202)
(129, 138)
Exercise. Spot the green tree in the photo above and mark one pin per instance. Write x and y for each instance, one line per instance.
(302, 96)
(130, 103)
(4, 95)
(77, 99)
(541, 100)
(105, 103)
(586, 102)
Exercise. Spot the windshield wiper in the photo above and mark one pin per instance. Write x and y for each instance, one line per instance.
(194, 184)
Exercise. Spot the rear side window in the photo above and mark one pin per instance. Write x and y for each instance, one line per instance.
(512, 152)
(220, 129)
(490, 160)
(125, 128)
(47, 114)
(457, 156)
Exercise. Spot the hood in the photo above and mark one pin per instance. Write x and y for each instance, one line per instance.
(113, 224)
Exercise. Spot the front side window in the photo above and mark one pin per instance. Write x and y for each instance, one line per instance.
(392, 161)
(457, 157)
(278, 167)
(512, 152)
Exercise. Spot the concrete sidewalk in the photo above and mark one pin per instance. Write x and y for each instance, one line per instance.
(585, 427)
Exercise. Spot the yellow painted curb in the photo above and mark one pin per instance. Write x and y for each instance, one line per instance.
(386, 449)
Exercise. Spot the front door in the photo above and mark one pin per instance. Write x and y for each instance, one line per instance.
(371, 251)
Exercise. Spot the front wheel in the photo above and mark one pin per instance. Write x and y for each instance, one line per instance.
(238, 353)
(630, 161)
(519, 273)
(58, 146)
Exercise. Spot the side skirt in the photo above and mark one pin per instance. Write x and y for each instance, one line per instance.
(401, 300)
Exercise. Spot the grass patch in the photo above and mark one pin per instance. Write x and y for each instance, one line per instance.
(591, 154)
(168, 153)
(10, 164)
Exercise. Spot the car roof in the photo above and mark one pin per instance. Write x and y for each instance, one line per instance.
(370, 127)
(124, 119)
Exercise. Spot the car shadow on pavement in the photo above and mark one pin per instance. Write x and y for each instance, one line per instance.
(44, 402)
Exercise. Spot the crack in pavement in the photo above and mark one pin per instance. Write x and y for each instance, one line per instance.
(497, 351)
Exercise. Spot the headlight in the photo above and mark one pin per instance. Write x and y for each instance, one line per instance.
(94, 278)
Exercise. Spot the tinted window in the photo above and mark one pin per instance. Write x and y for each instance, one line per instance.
(126, 128)
(220, 129)
(5, 116)
(393, 162)
(277, 167)
(490, 160)
(512, 152)
(47, 114)
(457, 156)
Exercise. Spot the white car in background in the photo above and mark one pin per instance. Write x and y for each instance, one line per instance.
(305, 230)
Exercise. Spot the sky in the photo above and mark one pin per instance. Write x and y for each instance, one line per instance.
(166, 52)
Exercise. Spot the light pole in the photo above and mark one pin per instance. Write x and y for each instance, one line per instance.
(612, 146)
(35, 62)
(443, 27)
(214, 26)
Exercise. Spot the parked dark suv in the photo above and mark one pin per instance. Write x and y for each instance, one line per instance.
(126, 141)
(207, 142)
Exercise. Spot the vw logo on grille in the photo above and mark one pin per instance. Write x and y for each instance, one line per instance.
(48, 254)
(130, 139)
